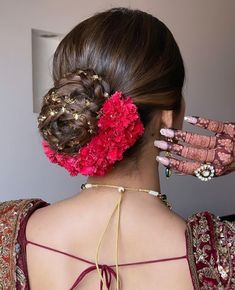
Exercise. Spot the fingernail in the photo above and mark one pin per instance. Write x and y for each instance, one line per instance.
(190, 119)
(165, 161)
(167, 132)
(161, 144)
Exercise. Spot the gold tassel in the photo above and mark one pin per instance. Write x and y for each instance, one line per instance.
(117, 206)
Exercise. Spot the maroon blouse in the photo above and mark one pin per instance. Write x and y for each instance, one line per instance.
(107, 271)
(210, 249)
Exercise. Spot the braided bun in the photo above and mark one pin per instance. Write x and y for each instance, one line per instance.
(70, 110)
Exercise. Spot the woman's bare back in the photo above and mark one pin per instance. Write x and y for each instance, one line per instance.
(75, 227)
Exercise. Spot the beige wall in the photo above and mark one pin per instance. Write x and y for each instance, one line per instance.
(204, 30)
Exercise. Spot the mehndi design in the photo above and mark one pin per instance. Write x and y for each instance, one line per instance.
(217, 150)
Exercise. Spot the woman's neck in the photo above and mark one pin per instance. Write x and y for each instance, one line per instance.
(144, 175)
(136, 206)
(139, 173)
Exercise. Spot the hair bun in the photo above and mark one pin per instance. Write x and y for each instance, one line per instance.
(69, 111)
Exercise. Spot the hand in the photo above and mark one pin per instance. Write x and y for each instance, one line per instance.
(218, 150)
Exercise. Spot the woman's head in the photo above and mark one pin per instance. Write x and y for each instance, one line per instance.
(133, 52)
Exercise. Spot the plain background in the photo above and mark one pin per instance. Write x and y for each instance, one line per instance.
(204, 31)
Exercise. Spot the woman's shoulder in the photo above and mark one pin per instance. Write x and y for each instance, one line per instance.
(211, 250)
(12, 214)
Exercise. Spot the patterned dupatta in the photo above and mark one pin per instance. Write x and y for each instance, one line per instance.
(211, 251)
(210, 247)
(12, 214)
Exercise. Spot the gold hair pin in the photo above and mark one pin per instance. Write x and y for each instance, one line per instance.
(96, 77)
(87, 103)
(81, 72)
(52, 113)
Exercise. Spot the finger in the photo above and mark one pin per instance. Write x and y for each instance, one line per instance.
(229, 128)
(179, 173)
(183, 166)
(196, 154)
(211, 125)
(197, 140)
(192, 153)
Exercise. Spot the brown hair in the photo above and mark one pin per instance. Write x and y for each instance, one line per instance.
(133, 52)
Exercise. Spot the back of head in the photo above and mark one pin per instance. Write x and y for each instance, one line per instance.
(129, 51)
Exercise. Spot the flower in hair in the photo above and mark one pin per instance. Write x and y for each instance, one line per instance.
(119, 126)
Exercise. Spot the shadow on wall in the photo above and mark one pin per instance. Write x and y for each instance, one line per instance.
(44, 44)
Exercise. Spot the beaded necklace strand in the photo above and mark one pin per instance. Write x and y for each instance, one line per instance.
(120, 189)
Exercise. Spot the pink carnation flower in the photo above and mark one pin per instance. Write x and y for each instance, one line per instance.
(119, 126)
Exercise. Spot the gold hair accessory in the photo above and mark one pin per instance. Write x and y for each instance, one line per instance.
(53, 96)
(52, 113)
(76, 116)
(74, 142)
(41, 118)
(69, 100)
(120, 189)
(46, 132)
(81, 72)
(60, 147)
(96, 77)
(87, 103)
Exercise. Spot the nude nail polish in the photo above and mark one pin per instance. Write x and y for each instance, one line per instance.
(161, 144)
(190, 119)
(167, 132)
(165, 161)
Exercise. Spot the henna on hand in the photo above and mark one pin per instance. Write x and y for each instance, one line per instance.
(219, 150)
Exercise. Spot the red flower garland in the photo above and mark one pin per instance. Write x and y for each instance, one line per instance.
(119, 126)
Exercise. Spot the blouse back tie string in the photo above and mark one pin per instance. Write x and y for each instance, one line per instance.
(106, 271)
(106, 268)
(117, 206)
